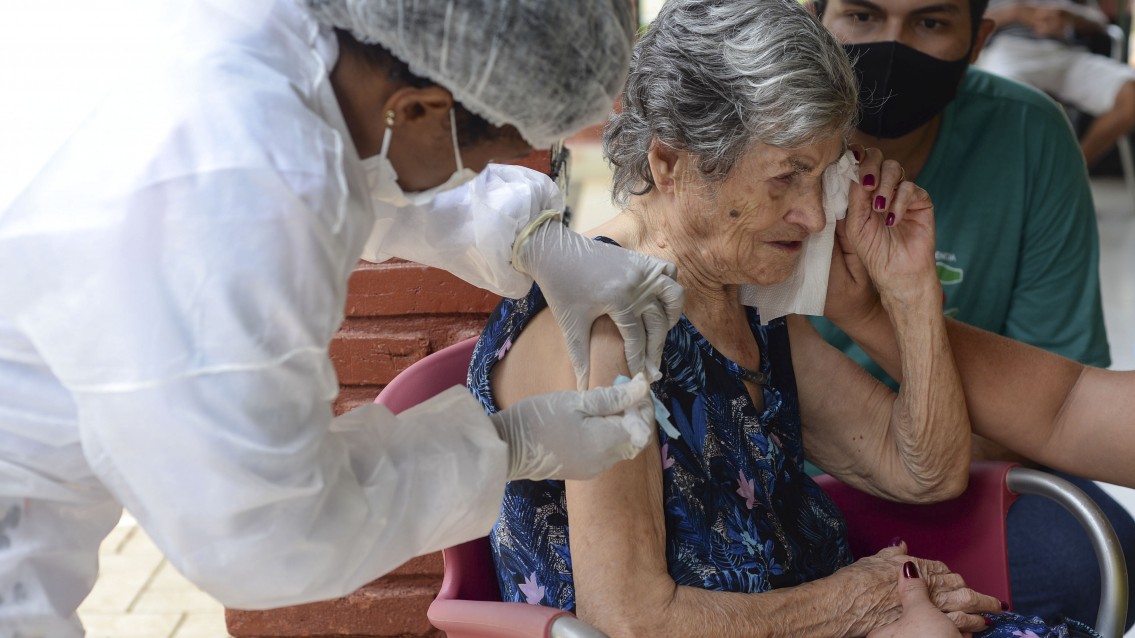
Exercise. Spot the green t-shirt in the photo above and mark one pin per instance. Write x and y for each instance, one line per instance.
(1017, 244)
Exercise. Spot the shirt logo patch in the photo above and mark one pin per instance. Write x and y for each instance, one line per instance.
(949, 275)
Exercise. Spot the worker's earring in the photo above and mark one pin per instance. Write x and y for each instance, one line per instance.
(386, 133)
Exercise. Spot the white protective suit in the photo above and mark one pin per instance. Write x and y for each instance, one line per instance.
(225, 224)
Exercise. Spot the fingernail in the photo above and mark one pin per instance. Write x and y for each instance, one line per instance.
(890, 219)
(988, 621)
(858, 157)
(880, 202)
(1004, 606)
(869, 180)
(909, 569)
(896, 541)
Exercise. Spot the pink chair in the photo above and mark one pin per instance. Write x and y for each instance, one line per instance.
(967, 533)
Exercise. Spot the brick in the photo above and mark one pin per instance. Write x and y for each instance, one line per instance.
(351, 397)
(397, 313)
(365, 358)
(389, 607)
(537, 160)
(399, 288)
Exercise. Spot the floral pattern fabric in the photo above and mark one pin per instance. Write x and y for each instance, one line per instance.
(1010, 625)
(741, 513)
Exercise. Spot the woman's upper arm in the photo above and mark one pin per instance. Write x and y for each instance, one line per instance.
(618, 536)
(535, 364)
(618, 528)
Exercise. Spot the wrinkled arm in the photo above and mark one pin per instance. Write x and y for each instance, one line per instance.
(909, 446)
(1043, 406)
(913, 446)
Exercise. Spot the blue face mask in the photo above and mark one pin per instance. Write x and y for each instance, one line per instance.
(900, 88)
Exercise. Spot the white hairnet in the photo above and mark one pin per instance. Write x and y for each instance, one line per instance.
(546, 68)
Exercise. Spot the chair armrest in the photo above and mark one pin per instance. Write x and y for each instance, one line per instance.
(1109, 553)
(487, 619)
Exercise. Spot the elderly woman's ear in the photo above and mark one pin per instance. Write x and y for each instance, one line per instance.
(665, 165)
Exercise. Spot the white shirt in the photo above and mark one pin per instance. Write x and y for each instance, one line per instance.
(172, 278)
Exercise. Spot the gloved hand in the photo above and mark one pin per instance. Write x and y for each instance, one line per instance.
(584, 279)
(576, 435)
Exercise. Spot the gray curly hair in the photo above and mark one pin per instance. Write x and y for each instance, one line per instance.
(713, 77)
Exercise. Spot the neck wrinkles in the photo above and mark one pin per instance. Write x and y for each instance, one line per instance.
(646, 226)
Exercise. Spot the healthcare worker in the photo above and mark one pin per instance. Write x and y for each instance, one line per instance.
(174, 273)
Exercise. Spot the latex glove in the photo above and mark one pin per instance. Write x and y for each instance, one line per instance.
(920, 617)
(584, 279)
(576, 435)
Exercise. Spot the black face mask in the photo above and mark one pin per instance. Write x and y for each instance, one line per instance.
(900, 89)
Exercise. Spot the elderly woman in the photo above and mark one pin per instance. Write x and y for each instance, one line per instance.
(731, 114)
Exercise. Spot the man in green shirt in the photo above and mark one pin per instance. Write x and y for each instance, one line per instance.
(1018, 250)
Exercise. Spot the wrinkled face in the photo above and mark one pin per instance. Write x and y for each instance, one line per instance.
(750, 227)
(938, 28)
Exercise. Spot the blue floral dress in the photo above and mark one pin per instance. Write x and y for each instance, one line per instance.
(741, 513)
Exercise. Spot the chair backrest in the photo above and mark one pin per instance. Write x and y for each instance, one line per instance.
(428, 377)
(966, 533)
(468, 604)
(469, 571)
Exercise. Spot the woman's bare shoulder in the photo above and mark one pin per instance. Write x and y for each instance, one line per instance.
(538, 361)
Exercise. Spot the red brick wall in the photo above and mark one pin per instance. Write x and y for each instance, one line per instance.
(397, 313)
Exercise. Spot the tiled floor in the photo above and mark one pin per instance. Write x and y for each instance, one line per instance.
(139, 595)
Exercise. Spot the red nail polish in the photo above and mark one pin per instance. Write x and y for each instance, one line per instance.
(880, 202)
(869, 180)
(1004, 606)
(909, 570)
(988, 621)
(890, 219)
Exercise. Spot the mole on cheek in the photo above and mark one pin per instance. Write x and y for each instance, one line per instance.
(734, 213)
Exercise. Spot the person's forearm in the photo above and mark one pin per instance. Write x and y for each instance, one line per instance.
(343, 507)
(929, 425)
(1038, 404)
(823, 608)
